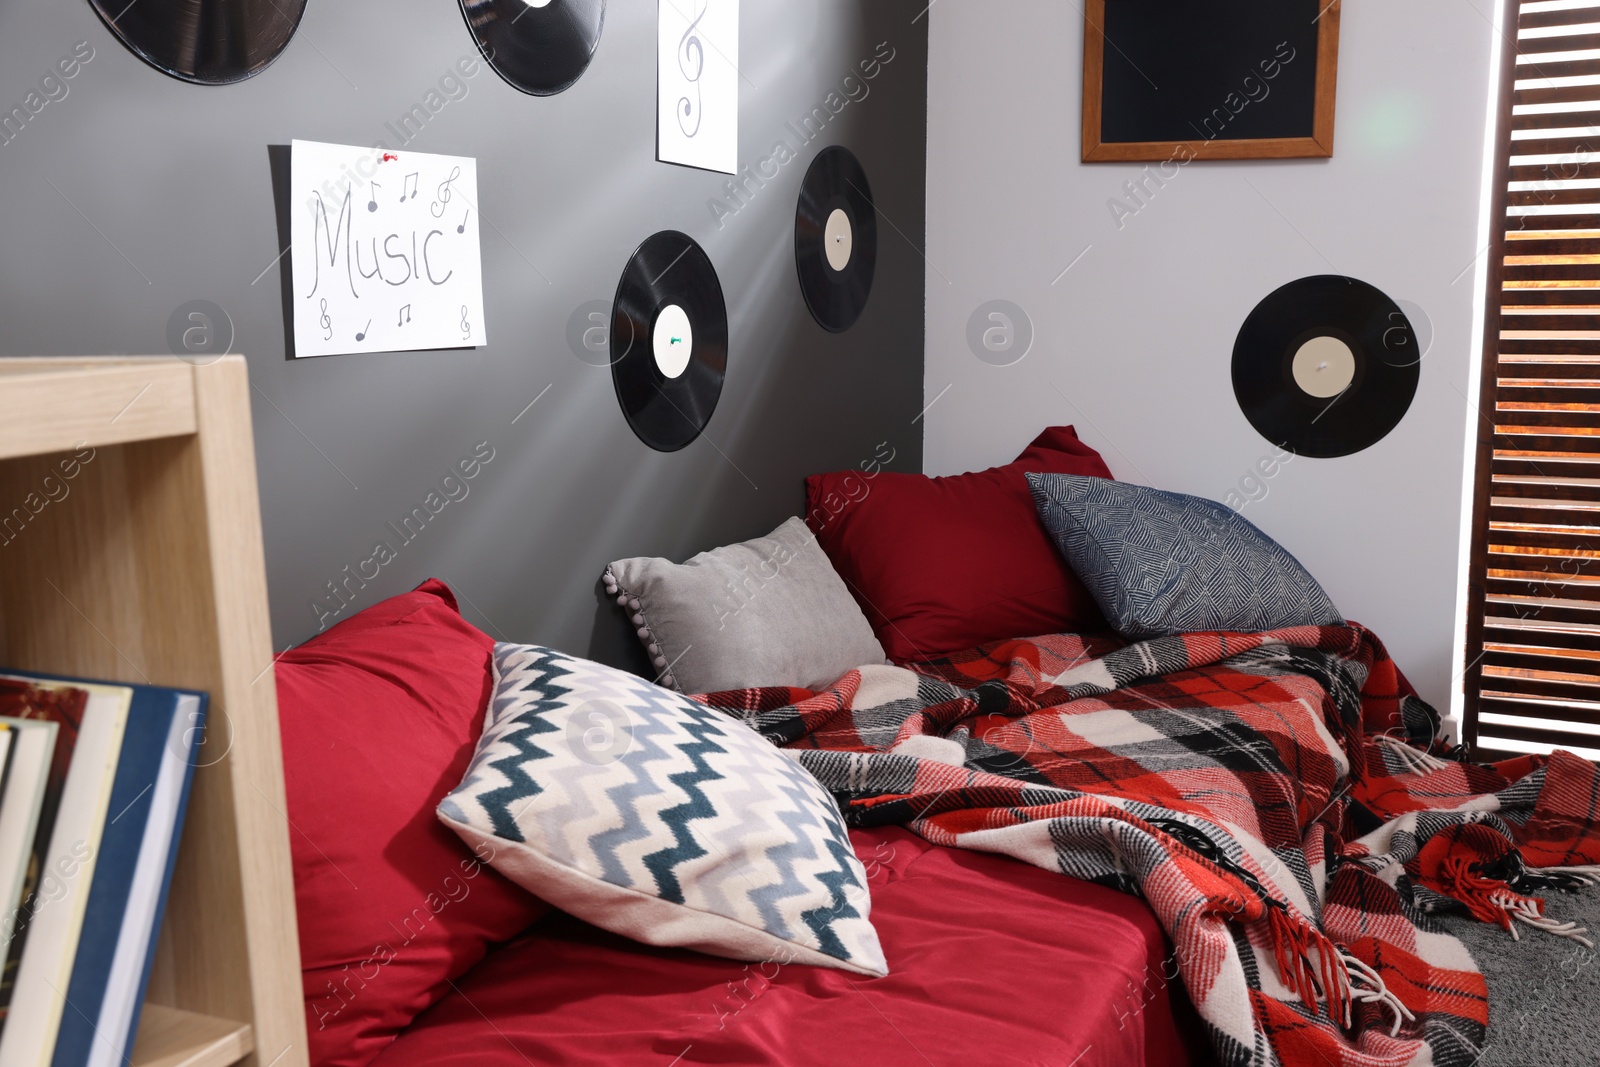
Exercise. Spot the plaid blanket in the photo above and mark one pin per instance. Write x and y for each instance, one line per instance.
(1282, 801)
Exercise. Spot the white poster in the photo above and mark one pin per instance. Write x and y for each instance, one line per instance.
(697, 90)
(385, 250)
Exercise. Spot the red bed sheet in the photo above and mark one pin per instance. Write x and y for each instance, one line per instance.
(992, 962)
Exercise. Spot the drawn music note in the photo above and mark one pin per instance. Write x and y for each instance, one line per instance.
(463, 227)
(411, 184)
(326, 322)
(691, 64)
(372, 196)
(405, 315)
(466, 327)
(362, 336)
(437, 208)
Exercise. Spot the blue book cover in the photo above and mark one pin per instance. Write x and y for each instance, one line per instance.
(128, 893)
(183, 747)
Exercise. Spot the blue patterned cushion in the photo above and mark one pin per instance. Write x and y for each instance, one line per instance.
(1165, 563)
(660, 819)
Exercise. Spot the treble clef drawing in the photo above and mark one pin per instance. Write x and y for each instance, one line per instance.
(692, 63)
(437, 208)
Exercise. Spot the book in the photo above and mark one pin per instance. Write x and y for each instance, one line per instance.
(21, 801)
(54, 910)
(63, 706)
(7, 741)
(126, 900)
(5, 753)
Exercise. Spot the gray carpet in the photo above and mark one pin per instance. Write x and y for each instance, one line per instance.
(1544, 991)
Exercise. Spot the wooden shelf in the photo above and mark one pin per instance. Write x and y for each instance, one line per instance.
(169, 1037)
(145, 564)
(61, 405)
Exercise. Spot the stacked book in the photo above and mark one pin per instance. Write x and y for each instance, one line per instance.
(94, 779)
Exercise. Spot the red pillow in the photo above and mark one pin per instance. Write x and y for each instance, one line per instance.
(379, 718)
(944, 564)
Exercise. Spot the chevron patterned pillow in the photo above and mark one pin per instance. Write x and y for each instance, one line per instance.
(655, 817)
(1166, 563)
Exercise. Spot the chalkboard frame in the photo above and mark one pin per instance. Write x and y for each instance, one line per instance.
(1318, 145)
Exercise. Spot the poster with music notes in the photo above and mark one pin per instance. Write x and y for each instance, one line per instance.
(697, 88)
(385, 250)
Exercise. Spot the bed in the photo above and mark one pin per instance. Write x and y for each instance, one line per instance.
(995, 963)
(992, 960)
(556, 994)
(1216, 827)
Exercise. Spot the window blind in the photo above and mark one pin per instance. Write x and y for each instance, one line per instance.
(1533, 633)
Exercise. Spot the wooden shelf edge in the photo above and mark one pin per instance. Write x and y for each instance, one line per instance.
(171, 1037)
(64, 404)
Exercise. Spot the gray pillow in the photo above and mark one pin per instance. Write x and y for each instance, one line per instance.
(1169, 563)
(768, 612)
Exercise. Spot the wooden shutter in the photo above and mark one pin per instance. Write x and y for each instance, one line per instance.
(1533, 628)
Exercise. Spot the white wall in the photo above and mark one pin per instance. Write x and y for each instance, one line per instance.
(1134, 343)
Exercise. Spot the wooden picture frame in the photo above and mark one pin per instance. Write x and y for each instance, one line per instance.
(1318, 145)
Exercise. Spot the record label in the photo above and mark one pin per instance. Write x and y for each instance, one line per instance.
(839, 238)
(538, 46)
(673, 340)
(836, 239)
(670, 293)
(1325, 366)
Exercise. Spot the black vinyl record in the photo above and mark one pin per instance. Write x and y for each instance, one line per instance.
(669, 341)
(540, 50)
(210, 42)
(1326, 366)
(836, 238)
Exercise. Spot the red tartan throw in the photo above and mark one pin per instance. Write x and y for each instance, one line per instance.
(1290, 815)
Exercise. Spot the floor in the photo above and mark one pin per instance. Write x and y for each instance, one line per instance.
(1544, 991)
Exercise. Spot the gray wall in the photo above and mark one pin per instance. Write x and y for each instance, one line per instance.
(135, 193)
(1134, 343)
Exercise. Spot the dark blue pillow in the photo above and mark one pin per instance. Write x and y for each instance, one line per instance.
(1166, 563)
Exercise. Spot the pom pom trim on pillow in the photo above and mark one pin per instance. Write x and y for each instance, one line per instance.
(630, 603)
(768, 612)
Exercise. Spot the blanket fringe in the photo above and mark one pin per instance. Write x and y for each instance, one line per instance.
(1367, 987)
(1562, 878)
(1490, 900)
(1530, 910)
(1413, 759)
(1296, 944)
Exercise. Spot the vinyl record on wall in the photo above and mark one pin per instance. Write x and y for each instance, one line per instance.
(836, 238)
(669, 341)
(211, 42)
(539, 47)
(1326, 366)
